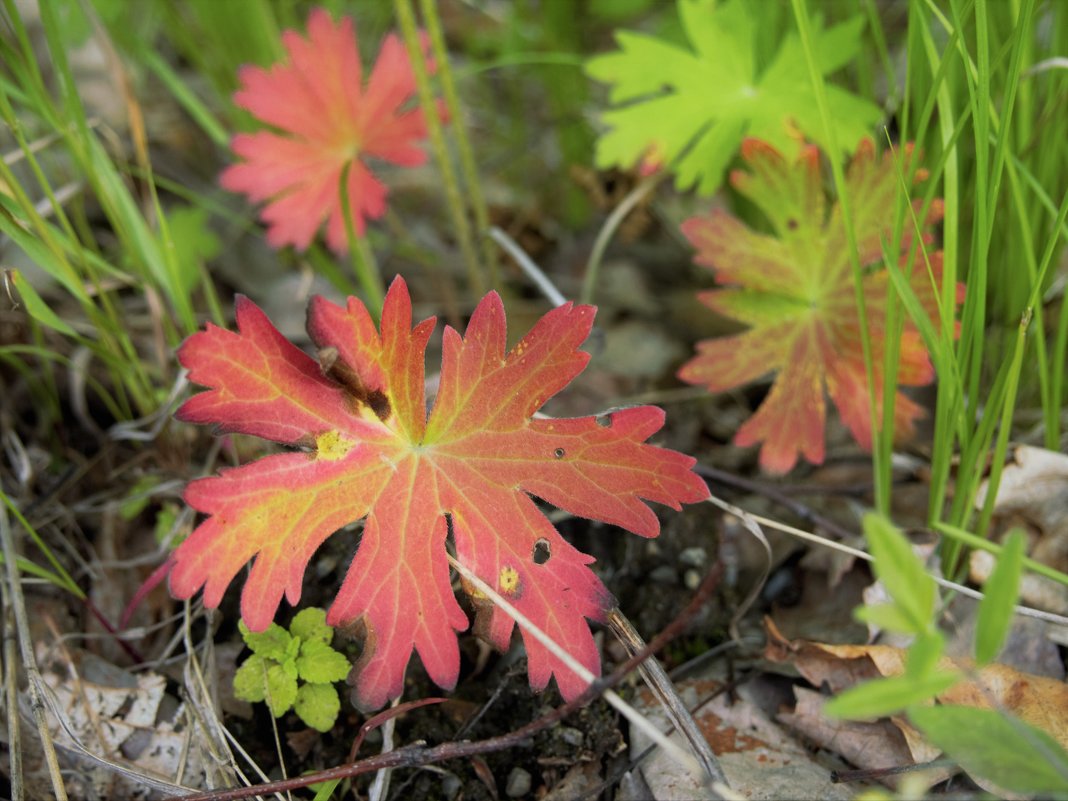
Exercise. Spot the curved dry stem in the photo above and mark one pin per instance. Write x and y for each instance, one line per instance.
(608, 230)
(751, 525)
(75, 745)
(527, 265)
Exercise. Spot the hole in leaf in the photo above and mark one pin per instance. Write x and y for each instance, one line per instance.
(450, 537)
(559, 453)
(541, 551)
(603, 420)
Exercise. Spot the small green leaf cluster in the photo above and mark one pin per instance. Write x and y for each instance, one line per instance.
(986, 743)
(294, 669)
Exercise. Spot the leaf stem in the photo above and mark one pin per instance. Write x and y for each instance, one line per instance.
(429, 9)
(406, 19)
(364, 263)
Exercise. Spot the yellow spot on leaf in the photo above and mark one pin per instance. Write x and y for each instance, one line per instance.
(509, 580)
(472, 590)
(331, 446)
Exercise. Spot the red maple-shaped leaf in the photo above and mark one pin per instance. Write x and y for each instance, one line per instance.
(794, 288)
(371, 452)
(329, 121)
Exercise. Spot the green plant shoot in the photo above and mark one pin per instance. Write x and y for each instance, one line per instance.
(294, 669)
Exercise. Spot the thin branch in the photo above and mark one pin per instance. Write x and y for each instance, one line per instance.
(657, 679)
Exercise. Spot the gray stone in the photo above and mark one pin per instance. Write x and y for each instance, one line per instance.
(694, 557)
(571, 736)
(665, 574)
(519, 783)
(451, 786)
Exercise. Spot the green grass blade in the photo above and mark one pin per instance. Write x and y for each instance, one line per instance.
(983, 544)
(881, 467)
(997, 608)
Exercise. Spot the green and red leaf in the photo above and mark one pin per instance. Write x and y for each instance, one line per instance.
(794, 289)
(473, 467)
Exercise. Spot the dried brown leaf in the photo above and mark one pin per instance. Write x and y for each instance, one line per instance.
(1037, 700)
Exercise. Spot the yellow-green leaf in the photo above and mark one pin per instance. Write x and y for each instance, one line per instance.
(318, 705)
(310, 624)
(250, 680)
(281, 690)
(318, 663)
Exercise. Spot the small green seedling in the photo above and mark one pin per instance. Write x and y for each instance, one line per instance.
(989, 744)
(294, 669)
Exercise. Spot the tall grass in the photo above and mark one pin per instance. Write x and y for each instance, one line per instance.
(1000, 236)
(62, 163)
(990, 121)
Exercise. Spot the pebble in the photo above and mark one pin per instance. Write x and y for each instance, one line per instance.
(451, 786)
(692, 579)
(665, 574)
(519, 782)
(694, 557)
(571, 736)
